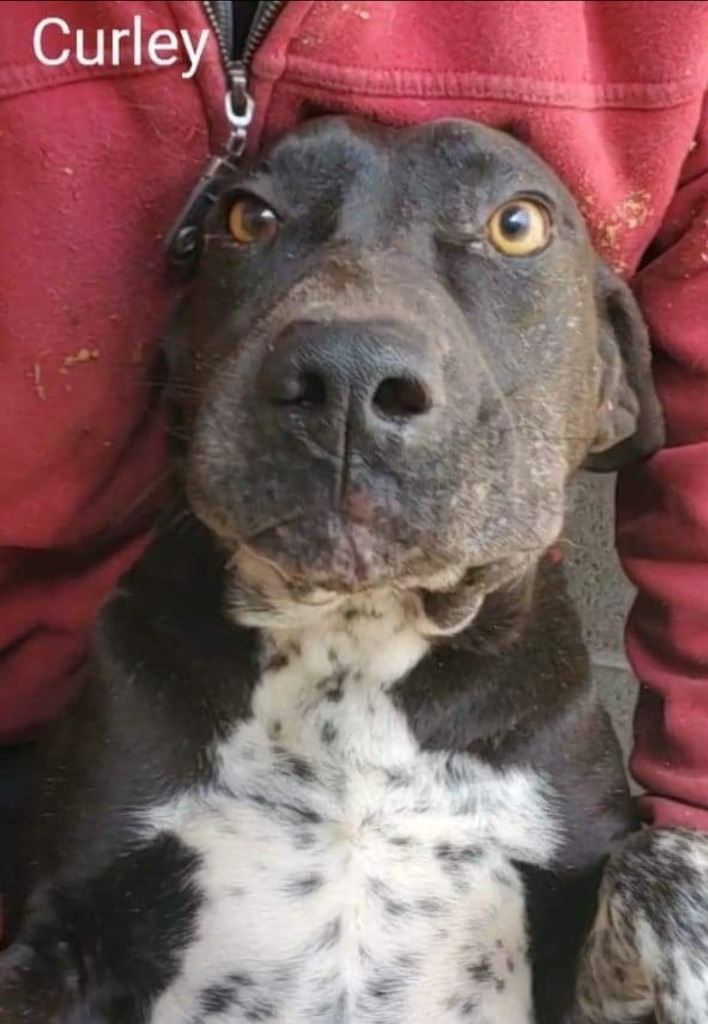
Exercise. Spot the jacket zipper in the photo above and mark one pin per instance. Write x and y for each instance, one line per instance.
(183, 242)
(239, 104)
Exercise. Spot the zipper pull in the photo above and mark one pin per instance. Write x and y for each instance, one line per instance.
(239, 109)
(183, 242)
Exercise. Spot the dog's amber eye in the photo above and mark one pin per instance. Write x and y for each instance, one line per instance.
(520, 228)
(251, 221)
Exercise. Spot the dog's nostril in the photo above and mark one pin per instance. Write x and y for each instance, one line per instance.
(402, 397)
(306, 389)
(313, 390)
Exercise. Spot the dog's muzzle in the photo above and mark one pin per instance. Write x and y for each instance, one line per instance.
(349, 389)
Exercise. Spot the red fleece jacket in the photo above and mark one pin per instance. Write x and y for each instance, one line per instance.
(96, 161)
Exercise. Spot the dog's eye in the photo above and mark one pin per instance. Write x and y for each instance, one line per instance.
(251, 221)
(520, 228)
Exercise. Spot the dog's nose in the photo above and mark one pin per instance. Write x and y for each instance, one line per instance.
(377, 373)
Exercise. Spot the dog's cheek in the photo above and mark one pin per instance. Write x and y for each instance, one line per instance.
(218, 454)
(583, 412)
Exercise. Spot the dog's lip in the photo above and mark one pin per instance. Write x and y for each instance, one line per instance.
(353, 555)
(352, 561)
(446, 598)
(359, 507)
(353, 515)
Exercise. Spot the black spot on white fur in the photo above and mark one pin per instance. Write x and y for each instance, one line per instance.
(328, 733)
(304, 886)
(332, 686)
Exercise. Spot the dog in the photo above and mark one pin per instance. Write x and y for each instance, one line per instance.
(339, 758)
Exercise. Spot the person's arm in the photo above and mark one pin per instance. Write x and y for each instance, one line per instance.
(663, 518)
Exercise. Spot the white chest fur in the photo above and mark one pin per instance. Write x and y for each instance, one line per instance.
(349, 876)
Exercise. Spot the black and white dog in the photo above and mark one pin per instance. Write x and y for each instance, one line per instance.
(339, 760)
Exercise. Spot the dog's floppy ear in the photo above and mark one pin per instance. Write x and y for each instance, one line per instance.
(630, 424)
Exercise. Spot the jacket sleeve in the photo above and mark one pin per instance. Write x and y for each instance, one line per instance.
(662, 523)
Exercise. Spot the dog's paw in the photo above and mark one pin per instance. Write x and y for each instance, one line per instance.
(39, 987)
(648, 951)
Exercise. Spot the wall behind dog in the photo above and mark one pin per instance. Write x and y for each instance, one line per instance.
(602, 593)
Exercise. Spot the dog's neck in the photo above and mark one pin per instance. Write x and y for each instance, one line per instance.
(495, 691)
(372, 637)
(519, 664)
(259, 597)
(357, 649)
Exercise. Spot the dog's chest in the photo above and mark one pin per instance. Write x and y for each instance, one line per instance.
(348, 876)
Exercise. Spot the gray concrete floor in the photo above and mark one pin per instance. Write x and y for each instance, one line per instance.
(602, 594)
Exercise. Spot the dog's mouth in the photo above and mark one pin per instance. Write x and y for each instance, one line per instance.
(265, 591)
(301, 547)
(333, 551)
(295, 568)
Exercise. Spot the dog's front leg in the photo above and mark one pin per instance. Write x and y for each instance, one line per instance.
(648, 950)
(39, 981)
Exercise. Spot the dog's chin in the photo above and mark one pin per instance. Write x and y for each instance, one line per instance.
(333, 556)
(269, 588)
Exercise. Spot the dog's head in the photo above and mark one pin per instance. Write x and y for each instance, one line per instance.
(398, 347)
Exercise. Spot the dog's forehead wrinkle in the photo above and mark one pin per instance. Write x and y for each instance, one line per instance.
(381, 283)
(372, 174)
(335, 158)
(479, 157)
